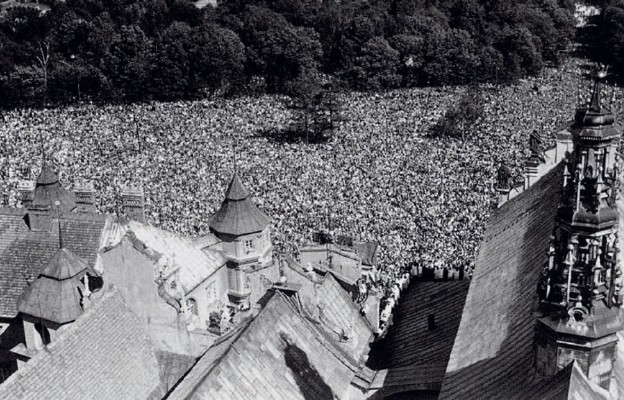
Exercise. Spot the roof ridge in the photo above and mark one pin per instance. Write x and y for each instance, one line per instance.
(218, 360)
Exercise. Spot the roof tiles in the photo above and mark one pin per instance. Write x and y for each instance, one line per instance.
(238, 215)
(492, 354)
(23, 253)
(105, 354)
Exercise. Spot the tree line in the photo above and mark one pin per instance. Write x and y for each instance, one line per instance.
(603, 37)
(139, 50)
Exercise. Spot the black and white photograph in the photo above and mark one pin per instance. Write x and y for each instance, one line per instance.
(311, 200)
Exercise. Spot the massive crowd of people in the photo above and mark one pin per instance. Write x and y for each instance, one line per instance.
(381, 177)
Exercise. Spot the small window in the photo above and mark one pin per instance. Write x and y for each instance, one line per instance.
(249, 245)
(173, 285)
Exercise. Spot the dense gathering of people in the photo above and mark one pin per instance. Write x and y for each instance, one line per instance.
(380, 177)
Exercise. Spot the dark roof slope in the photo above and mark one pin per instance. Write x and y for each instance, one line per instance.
(492, 354)
(49, 193)
(54, 295)
(105, 354)
(238, 215)
(279, 355)
(409, 341)
(23, 252)
(236, 190)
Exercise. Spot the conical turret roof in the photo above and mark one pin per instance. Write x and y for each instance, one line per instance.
(47, 176)
(238, 215)
(49, 194)
(236, 190)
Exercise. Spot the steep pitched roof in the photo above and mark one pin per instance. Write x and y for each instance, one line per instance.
(236, 190)
(409, 344)
(23, 252)
(64, 265)
(278, 355)
(105, 354)
(49, 193)
(492, 356)
(54, 295)
(238, 215)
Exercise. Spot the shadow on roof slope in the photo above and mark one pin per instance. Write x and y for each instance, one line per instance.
(493, 352)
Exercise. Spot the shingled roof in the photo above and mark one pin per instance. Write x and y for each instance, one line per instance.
(238, 215)
(281, 354)
(23, 252)
(105, 354)
(50, 194)
(54, 295)
(415, 356)
(492, 356)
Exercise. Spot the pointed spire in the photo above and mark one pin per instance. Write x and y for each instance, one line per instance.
(236, 190)
(47, 176)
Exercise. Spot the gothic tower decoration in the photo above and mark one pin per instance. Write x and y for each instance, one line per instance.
(580, 291)
(244, 230)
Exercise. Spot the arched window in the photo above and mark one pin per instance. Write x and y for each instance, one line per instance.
(191, 306)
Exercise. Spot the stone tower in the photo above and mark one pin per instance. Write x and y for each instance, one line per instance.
(580, 291)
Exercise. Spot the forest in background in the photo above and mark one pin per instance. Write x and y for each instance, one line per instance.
(141, 50)
(603, 37)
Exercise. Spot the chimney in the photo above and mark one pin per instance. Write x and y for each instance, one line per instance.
(26, 191)
(133, 203)
(431, 321)
(85, 198)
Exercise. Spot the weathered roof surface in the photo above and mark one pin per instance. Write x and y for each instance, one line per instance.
(54, 295)
(279, 355)
(330, 305)
(23, 252)
(49, 193)
(238, 215)
(105, 354)
(178, 253)
(236, 190)
(173, 367)
(64, 265)
(492, 356)
(410, 343)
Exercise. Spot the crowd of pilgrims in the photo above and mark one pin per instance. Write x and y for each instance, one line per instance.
(381, 177)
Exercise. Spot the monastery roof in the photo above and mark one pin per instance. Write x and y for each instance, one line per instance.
(492, 356)
(238, 214)
(49, 193)
(177, 253)
(105, 354)
(54, 295)
(280, 354)
(410, 343)
(23, 252)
